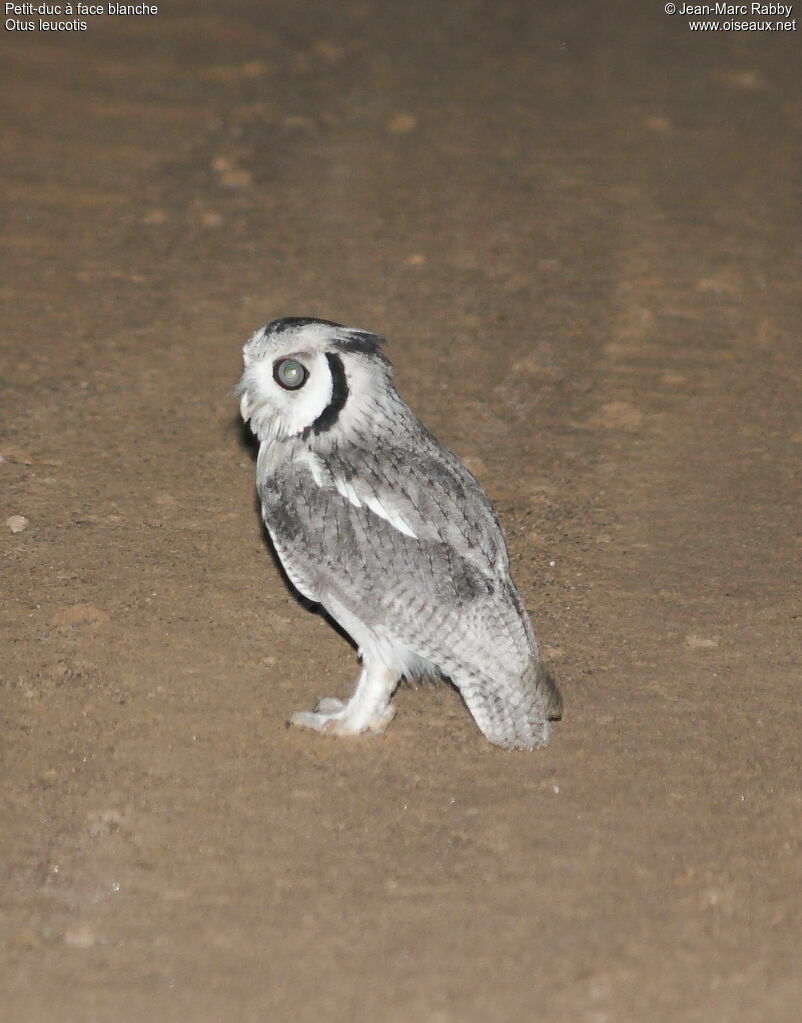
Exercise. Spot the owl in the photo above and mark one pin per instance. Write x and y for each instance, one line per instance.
(380, 524)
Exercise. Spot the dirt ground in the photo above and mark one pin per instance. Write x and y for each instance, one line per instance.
(579, 228)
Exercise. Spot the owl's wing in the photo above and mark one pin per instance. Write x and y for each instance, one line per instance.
(422, 565)
(423, 491)
(362, 537)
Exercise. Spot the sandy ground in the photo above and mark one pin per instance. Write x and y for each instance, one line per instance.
(579, 228)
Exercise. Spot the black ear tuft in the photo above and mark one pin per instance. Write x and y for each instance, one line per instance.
(346, 339)
(289, 322)
(361, 341)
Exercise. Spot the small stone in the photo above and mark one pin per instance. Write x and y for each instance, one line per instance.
(236, 178)
(619, 415)
(401, 124)
(155, 217)
(298, 122)
(26, 939)
(701, 642)
(749, 80)
(85, 616)
(102, 823)
(254, 69)
(16, 523)
(80, 936)
(533, 367)
(330, 50)
(723, 284)
(659, 125)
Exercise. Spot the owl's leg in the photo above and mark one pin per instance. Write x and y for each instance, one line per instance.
(368, 710)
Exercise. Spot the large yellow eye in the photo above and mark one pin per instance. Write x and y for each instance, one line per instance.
(290, 374)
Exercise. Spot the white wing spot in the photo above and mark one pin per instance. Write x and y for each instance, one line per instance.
(347, 491)
(395, 520)
(315, 466)
(374, 503)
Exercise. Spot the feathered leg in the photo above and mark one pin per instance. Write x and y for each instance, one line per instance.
(368, 710)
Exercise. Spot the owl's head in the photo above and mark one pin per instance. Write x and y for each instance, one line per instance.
(305, 376)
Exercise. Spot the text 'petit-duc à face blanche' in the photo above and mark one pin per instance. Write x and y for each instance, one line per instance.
(59, 10)
(736, 10)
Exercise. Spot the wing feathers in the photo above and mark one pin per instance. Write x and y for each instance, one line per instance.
(431, 576)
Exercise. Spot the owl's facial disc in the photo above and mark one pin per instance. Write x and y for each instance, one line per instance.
(284, 394)
(308, 378)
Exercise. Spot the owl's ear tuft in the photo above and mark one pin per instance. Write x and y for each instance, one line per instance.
(296, 322)
(361, 341)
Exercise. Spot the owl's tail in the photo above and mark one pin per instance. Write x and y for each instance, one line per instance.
(513, 713)
(553, 698)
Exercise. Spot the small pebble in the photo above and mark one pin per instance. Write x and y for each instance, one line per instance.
(80, 936)
(16, 523)
(85, 616)
(254, 69)
(329, 50)
(619, 415)
(155, 217)
(236, 178)
(701, 642)
(401, 124)
(660, 125)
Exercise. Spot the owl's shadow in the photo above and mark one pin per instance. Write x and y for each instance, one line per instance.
(250, 446)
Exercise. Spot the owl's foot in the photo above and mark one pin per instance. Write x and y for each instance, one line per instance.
(336, 717)
(368, 710)
(330, 705)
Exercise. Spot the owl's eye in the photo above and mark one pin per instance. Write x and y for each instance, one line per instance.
(290, 374)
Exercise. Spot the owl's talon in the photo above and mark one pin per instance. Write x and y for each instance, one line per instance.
(329, 705)
(308, 719)
(340, 722)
